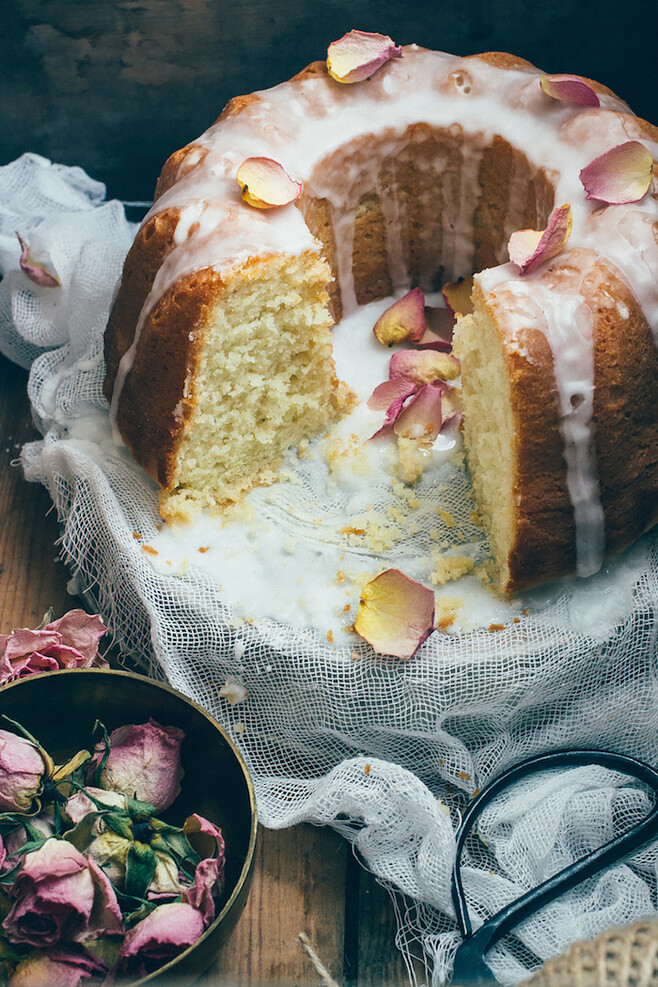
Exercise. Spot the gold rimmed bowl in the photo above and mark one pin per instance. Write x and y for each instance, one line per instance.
(60, 709)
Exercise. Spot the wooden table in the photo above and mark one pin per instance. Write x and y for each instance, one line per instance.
(306, 879)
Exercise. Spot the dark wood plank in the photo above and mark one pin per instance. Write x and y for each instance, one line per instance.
(117, 87)
(31, 579)
(298, 887)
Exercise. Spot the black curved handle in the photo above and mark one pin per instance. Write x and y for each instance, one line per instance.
(470, 967)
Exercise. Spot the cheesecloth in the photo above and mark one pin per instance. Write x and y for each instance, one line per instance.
(385, 752)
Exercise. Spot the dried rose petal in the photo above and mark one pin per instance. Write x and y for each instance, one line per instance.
(422, 417)
(570, 89)
(358, 55)
(530, 248)
(430, 341)
(403, 320)
(457, 295)
(265, 184)
(393, 411)
(396, 614)
(34, 269)
(451, 404)
(422, 366)
(385, 394)
(620, 175)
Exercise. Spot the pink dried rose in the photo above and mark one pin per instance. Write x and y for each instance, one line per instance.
(69, 642)
(144, 763)
(22, 771)
(60, 894)
(163, 934)
(66, 965)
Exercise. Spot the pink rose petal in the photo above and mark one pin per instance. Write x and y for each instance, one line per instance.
(81, 631)
(34, 269)
(530, 248)
(569, 89)
(457, 296)
(204, 834)
(422, 366)
(396, 614)
(207, 884)
(421, 418)
(393, 412)
(385, 394)
(358, 55)
(65, 965)
(403, 320)
(163, 934)
(265, 184)
(621, 175)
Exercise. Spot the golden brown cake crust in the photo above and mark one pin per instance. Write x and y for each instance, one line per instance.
(626, 429)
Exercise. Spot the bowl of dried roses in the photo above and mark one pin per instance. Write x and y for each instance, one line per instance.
(127, 831)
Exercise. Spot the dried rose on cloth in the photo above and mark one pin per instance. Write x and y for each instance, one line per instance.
(93, 885)
(70, 642)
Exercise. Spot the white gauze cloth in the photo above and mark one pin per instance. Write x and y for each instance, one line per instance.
(386, 752)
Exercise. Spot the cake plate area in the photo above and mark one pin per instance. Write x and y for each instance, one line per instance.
(307, 880)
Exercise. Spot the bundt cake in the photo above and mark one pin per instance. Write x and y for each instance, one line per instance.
(218, 346)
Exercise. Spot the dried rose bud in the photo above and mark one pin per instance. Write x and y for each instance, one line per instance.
(22, 772)
(58, 893)
(162, 935)
(144, 763)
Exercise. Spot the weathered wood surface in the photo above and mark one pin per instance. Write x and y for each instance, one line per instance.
(306, 879)
(117, 86)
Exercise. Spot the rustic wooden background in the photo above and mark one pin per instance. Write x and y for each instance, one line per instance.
(117, 85)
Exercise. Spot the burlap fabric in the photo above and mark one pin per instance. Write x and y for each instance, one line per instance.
(625, 957)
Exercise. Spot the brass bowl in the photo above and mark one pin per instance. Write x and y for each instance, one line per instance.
(60, 709)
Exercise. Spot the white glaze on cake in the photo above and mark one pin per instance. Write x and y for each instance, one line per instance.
(300, 123)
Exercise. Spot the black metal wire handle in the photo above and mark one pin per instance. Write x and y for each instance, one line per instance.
(470, 967)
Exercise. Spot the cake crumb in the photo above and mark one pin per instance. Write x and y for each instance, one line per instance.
(204, 548)
(446, 516)
(449, 567)
(150, 550)
(330, 636)
(447, 610)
